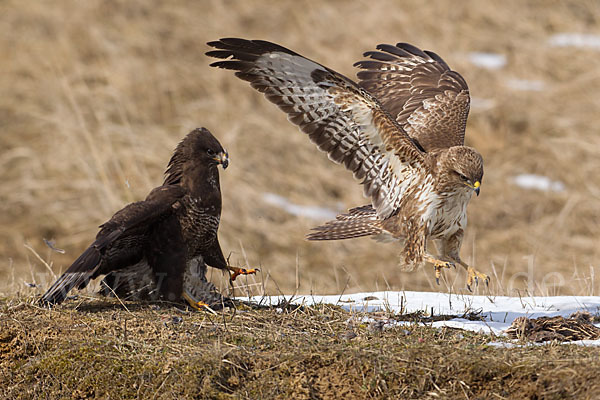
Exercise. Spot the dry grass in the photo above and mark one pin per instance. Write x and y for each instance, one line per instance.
(96, 94)
(91, 349)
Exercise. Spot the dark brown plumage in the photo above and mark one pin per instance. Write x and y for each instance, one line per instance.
(160, 246)
(400, 131)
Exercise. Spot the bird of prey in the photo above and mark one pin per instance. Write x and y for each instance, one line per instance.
(400, 131)
(160, 246)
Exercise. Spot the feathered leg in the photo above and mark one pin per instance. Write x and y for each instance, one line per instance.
(450, 248)
(214, 257)
(415, 250)
(198, 291)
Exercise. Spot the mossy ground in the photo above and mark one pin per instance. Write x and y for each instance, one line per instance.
(98, 349)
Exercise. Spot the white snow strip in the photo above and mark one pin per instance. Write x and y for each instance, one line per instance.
(538, 182)
(579, 40)
(497, 312)
(310, 212)
(510, 345)
(586, 342)
(491, 61)
(506, 345)
(525, 85)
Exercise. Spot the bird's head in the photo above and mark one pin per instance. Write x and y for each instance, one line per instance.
(466, 167)
(200, 148)
(204, 146)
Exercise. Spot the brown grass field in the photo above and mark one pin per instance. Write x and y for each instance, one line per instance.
(95, 96)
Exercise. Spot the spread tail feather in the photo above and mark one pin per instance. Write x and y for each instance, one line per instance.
(78, 275)
(358, 222)
(136, 281)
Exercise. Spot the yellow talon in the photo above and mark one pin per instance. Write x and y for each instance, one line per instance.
(438, 265)
(438, 269)
(196, 305)
(241, 271)
(474, 276)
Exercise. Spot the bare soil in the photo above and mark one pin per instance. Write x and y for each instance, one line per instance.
(91, 348)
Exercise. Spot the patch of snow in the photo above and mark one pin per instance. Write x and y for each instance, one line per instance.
(579, 40)
(497, 312)
(479, 104)
(586, 342)
(525, 85)
(510, 345)
(538, 182)
(310, 212)
(504, 345)
(491, 61)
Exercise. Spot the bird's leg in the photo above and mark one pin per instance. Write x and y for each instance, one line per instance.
(197, 305)
(438, 265)
(474, 276)
(450, 247)
(236, 271)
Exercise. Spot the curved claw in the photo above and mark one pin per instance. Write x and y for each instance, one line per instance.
(438, 265)
(474, 276)
(196, 304)
(471, 282)
(241, 271)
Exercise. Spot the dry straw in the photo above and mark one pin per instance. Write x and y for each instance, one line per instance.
(96, 94)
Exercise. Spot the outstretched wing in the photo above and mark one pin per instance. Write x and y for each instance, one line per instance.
(118, 244)
(339, 117)
(359, 221)
(427, 98)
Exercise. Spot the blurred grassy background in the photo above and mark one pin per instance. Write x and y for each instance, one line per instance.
(96, 94)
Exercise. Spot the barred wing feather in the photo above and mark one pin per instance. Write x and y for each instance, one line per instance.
(428, 99)
(342, 119)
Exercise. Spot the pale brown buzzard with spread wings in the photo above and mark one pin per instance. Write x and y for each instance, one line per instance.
(400, 131)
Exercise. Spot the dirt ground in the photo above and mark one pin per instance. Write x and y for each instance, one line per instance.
(104, 349)
(96, 94)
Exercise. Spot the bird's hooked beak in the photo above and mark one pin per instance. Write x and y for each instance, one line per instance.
(476, 186)
(223, 159)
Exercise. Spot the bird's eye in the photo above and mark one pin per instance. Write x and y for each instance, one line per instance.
(210, 152)
(463, 178)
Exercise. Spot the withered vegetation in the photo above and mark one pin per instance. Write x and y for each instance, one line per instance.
(95, 95)
(106, 349)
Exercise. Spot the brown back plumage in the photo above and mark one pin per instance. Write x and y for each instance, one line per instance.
(427, 98)
(147, 237)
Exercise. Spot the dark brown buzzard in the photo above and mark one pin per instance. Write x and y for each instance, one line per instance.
(159, 247)
(400, 131)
